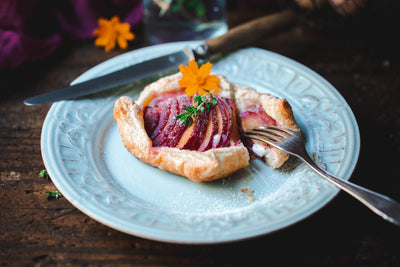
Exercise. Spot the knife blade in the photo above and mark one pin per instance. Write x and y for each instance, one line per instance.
(236, 37)
(116, 78)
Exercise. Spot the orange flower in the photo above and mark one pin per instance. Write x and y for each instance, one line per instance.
(111, 32)
(197, 80)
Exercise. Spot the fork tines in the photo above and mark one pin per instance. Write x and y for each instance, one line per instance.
(273, 133)
(270, 135)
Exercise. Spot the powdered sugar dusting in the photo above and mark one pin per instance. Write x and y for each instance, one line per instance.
(248, 189)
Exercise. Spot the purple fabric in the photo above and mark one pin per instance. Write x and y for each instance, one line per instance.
(33, 29)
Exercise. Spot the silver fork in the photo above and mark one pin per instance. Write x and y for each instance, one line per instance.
(293, 143)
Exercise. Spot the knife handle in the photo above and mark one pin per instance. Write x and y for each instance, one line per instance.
(251, 31)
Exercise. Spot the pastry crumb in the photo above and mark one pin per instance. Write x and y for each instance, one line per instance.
(249, 193)
(247, 190)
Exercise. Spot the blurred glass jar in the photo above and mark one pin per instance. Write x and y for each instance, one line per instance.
(181, 20)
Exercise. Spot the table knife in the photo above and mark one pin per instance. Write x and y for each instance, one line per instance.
(234, 38)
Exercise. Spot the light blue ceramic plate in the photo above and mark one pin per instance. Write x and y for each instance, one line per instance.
(86, 160)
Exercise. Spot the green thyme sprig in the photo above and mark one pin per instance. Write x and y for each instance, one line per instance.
(44, 174)
(202, 102)
(53, 194)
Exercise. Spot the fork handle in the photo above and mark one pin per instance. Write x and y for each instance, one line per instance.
(384, 206)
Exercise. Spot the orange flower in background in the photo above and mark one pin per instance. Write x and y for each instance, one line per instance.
(197, 80)
(111, 32)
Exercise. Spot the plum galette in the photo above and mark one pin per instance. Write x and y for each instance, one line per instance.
(189, 123)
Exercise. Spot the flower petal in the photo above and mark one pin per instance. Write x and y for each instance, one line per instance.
(110, 46)
(122, 42)
(205, 70)
(103, 22)
(191, 90)
(114, 20)
(129, 36)
(185, 83)
(211, 83)
(123, 27)
(187, 74)
(193, 67)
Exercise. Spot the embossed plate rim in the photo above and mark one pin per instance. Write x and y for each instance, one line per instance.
(62, 175)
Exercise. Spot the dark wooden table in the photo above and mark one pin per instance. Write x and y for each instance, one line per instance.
(360, 59)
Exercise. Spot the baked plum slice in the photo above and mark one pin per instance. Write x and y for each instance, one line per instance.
(230, 115)
(211, 131)
(151, 116)
(169, 124)
(173, 135)
(198, 132)
(222, 125)
(255, 116)
(163, 109)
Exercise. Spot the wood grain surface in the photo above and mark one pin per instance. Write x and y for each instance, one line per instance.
(360, 59)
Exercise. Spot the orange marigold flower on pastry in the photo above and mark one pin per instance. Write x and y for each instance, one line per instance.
(111, 32)
(197, 80)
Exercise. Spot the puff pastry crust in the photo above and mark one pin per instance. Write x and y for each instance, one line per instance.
(213, 164)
